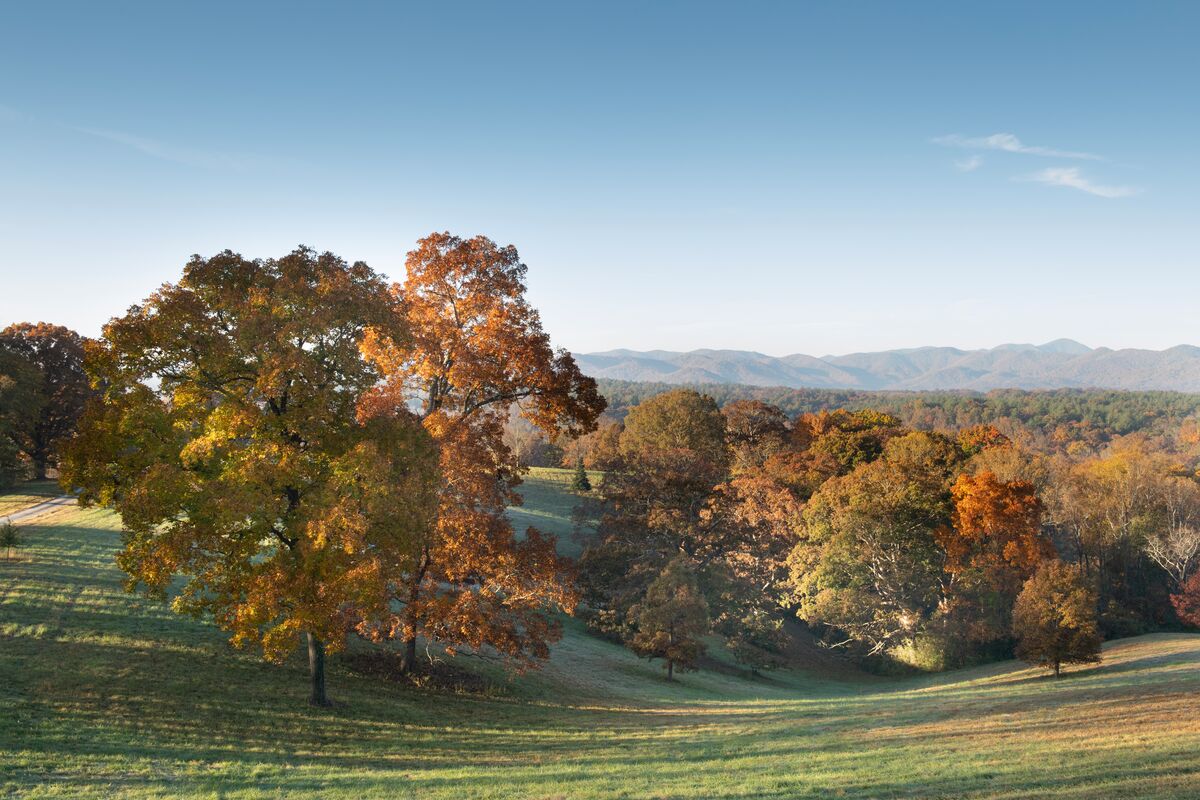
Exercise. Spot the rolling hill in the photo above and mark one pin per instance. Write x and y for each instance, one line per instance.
(1059, 364)
(104, 694)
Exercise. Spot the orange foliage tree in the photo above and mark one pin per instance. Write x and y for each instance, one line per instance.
(978, 438)
(996, 528)
(225, 435)
(600, 449)
(1187, 601)
(993, 544)
(477, 349)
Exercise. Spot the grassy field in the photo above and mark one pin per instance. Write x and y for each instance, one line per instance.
(107, 695)
(27, 494)
(549, 504)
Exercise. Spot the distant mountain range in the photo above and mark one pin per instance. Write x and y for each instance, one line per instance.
(1059, 364)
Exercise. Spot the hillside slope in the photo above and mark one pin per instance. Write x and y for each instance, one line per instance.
(107, 695)
(1059, 364)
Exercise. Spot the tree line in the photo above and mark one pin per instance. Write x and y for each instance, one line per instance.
(931, 548)
(1044, 419)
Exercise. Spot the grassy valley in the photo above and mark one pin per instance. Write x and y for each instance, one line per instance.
(104, 694)
(548, 506)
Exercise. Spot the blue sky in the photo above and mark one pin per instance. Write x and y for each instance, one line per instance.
(782, 177)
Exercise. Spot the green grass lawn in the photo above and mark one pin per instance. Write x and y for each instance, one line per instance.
(27, 494)
(549, 504)
(107, 695)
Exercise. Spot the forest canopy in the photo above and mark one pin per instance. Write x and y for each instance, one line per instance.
(1092, 415)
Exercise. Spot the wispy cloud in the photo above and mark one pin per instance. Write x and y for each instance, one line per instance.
(969, 164)
(1072, 178)
(168, 152)
(1008, 143)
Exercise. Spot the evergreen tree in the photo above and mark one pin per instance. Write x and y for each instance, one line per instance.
(579, 481)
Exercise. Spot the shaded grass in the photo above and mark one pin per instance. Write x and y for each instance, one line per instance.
(549, 505)
(103, 694)
(26, 494)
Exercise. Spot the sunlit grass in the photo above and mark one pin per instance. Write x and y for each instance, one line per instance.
(107, 695)
(27, 494)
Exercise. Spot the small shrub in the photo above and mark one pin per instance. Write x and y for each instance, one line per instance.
(9, 539)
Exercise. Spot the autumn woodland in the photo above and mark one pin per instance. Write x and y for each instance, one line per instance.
(371, 497)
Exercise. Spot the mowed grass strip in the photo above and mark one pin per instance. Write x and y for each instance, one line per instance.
(103, 694)
(27, 494)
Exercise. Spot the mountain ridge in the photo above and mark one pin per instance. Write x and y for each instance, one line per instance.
(1058, 364)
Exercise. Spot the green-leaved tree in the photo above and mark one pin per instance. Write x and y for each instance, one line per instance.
(20, 406)
(671, 620)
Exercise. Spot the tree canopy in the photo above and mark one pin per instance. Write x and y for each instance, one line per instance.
(476, 351)
(57, 352)
(21, 401)
(1054, 619)
(226, 435)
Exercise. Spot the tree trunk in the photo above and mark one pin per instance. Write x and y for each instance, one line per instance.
(1057, 669)
(316, 671)
(670, 669)
(408, 659)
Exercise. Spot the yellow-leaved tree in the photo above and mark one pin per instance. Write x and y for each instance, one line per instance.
(225, 433)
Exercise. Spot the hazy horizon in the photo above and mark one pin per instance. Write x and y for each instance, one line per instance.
(936, 345)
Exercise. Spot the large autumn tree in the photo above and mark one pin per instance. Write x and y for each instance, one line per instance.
(478, 350)
(995, 542)
(656, 504)
(58, 354)
(996, 528)
(868, 562)
(226, 435)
